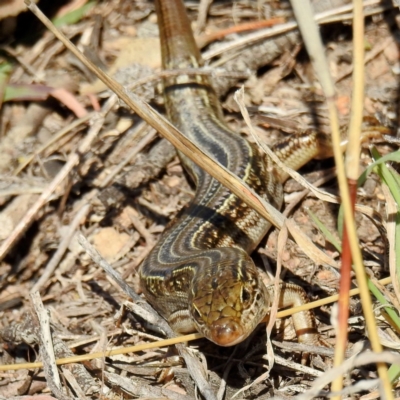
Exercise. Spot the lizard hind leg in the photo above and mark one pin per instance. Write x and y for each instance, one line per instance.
(304, 321)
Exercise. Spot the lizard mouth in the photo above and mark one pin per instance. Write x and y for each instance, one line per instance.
(226, 332)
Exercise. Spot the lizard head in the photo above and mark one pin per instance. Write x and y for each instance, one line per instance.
(229, 299)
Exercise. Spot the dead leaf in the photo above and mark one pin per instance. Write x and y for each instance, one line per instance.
(109, 242)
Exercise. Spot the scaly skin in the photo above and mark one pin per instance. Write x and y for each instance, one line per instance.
(200, 276)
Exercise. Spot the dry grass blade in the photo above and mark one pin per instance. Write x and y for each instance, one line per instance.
(166, 129)
(322, 17)
(312, 39)
(312, 251)
(73, 159)
(391, 233)
(352, 172)
(46, 349)
(132, 187)
(352, 362)
(150, 315)
(175, 340)
(75, 124)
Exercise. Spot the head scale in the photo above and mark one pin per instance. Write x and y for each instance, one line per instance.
(228, 300)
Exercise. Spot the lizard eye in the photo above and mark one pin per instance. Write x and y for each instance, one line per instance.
(245, 295)
(196, 314)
